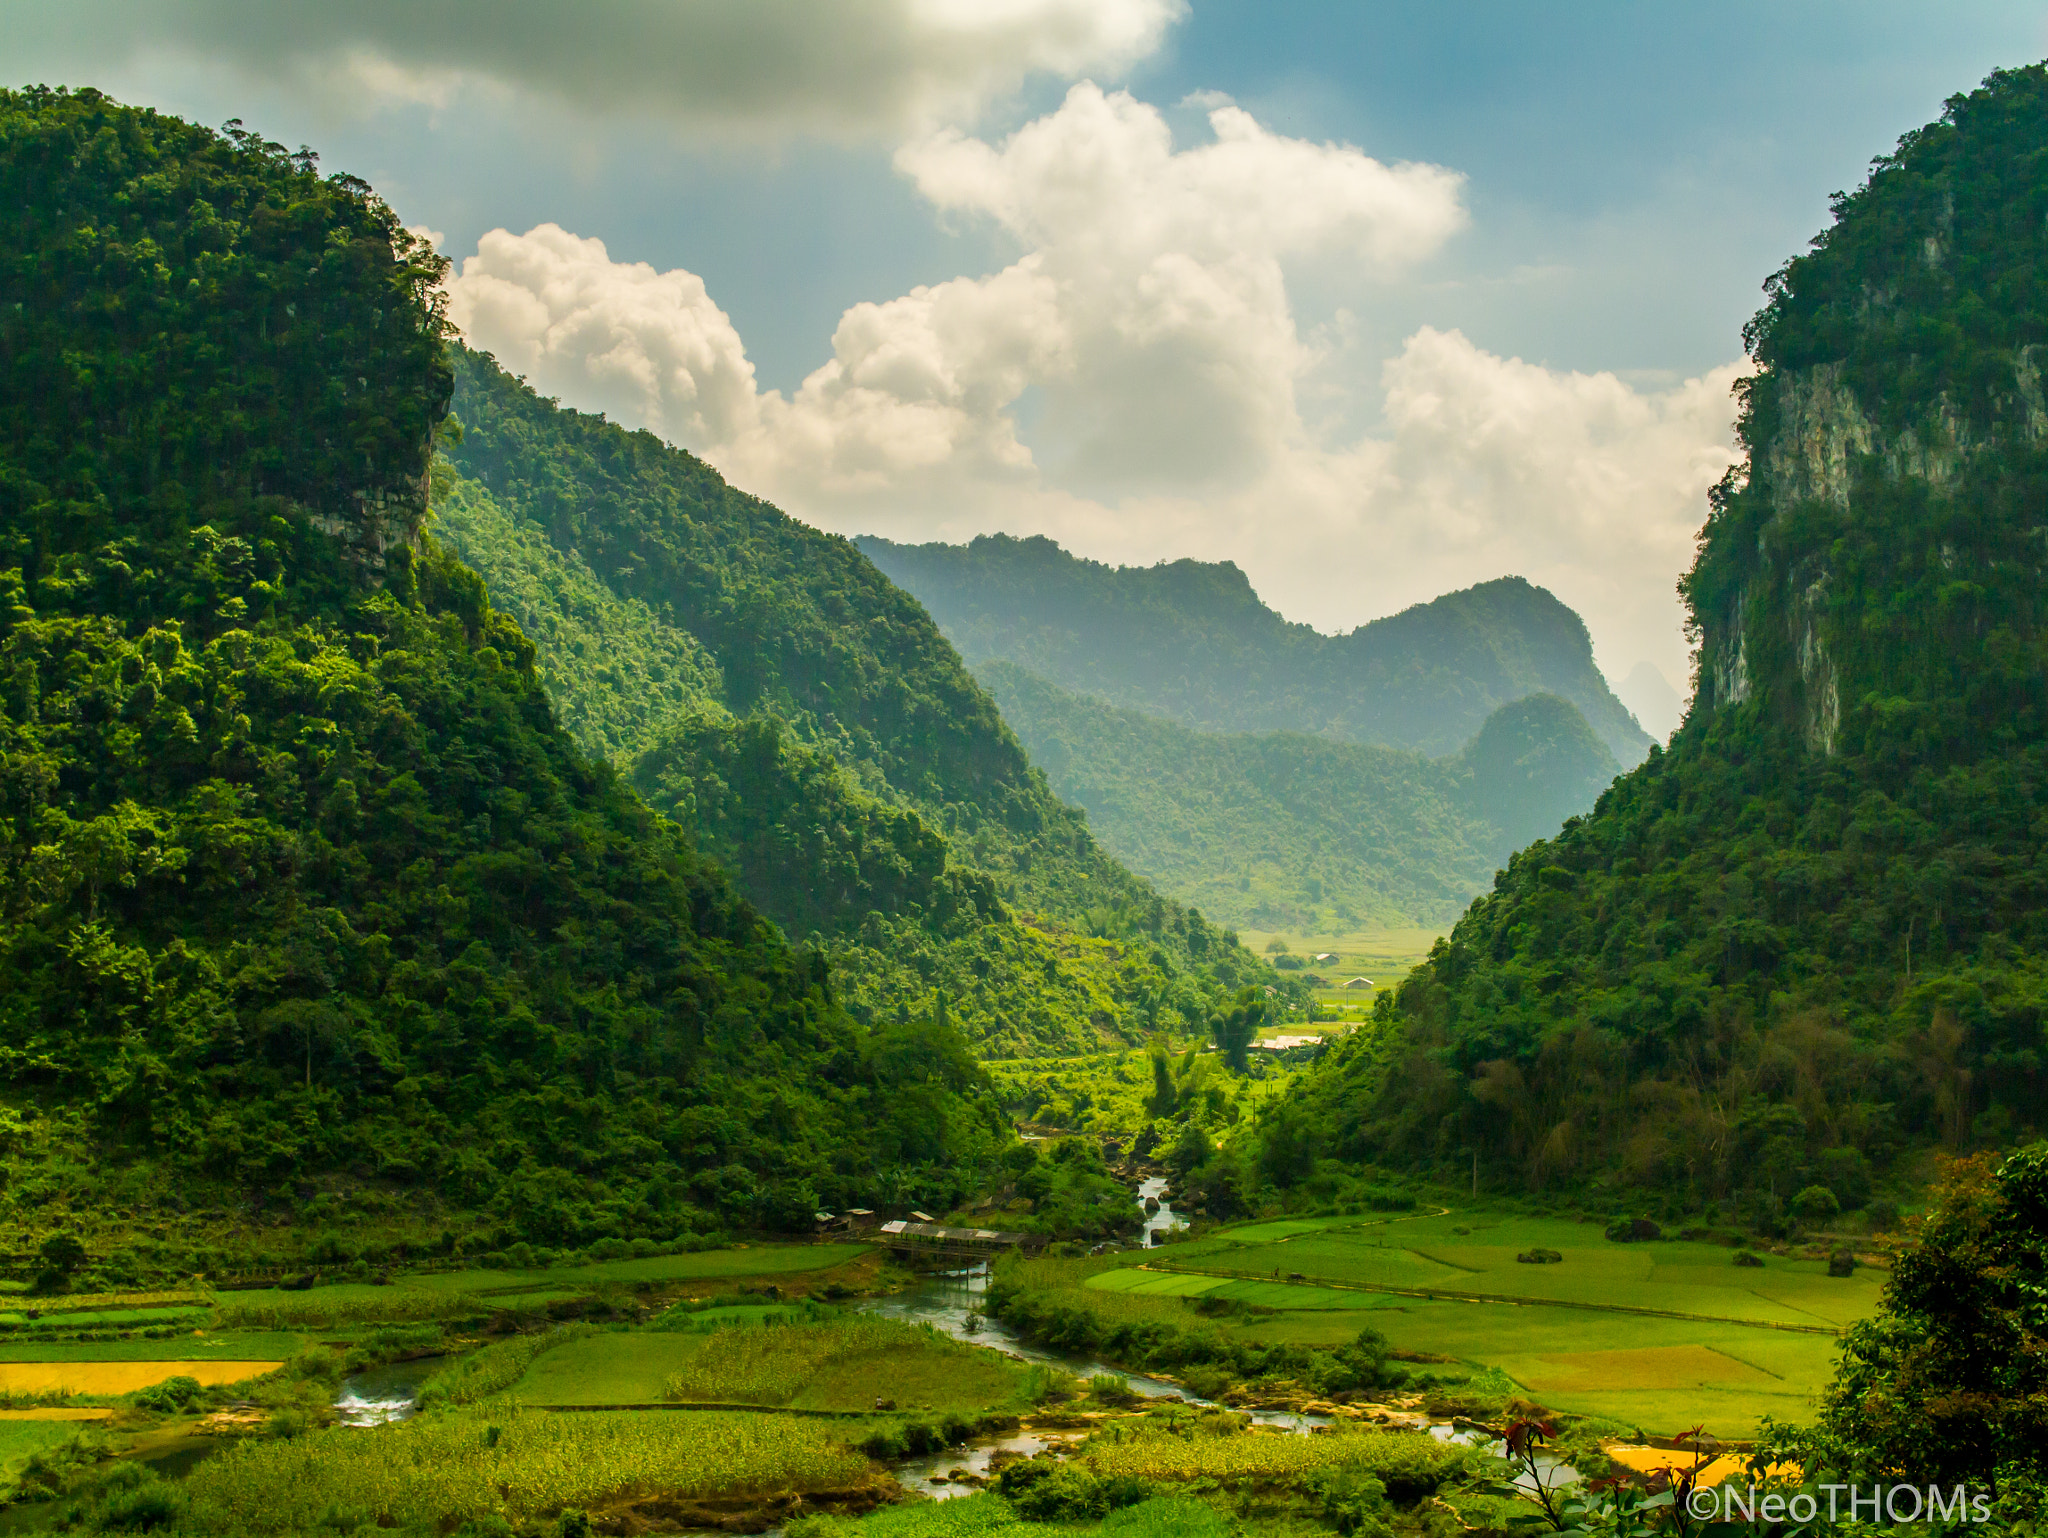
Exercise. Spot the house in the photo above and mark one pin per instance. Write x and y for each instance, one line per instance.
(1359, 982)
(1324, 958)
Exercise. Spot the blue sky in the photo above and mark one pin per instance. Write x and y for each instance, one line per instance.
(1630, 173)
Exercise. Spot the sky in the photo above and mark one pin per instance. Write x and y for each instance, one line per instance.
(1376, 300)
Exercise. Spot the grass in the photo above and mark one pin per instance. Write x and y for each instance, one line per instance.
(497, 1367)
(740, 1260)
(248, 1345)
(843, 1365)
(1567, 1339)
(1475, 1253)
(973, 1516)
(1155, 1452)
(474, 1291)
(21, 1439)
(437, 1472)
(618, 1368)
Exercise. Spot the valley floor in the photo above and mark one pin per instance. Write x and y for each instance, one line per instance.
(745, 1387)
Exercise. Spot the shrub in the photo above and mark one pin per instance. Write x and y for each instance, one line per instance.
(1044, 1490)
(169, 1397)
(1746, 1258)
(1046, 1383)
(1816, 1204)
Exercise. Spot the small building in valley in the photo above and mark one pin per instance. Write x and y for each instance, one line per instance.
(1359, 982)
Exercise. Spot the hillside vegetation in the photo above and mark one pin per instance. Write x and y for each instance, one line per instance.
(1191, 641)
(1287, 831)
(300, 880)
(1809, 939)
(764, 685)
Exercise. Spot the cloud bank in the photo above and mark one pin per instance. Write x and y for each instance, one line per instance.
(759, 69)
(1133, 383)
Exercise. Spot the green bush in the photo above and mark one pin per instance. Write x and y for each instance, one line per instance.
(170, 1397)
(1046, 1490)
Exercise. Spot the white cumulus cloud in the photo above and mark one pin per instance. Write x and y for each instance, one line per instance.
(1131, 383)
(648, 348)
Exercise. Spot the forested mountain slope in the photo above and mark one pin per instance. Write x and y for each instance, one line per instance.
(767, 687)
(299, 878)
(1811, 935)
(1286, 831)
(1190, 641)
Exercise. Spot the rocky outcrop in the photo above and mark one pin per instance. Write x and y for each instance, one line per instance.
(1826, 440)
(380, 520)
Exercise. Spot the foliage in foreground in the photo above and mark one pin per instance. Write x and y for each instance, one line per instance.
(1949, 1382)
(435, 1472)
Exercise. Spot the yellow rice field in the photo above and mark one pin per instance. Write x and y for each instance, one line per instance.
(120, 1377)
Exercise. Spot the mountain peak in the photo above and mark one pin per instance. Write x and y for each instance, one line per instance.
(1191, 641)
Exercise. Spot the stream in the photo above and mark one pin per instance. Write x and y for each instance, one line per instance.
(950, 1302)
(380, 1395)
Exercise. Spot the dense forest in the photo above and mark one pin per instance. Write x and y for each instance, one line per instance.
(1809, 939)
(299, 875)
(1284, 831)
(765, 686)
(1190, 641)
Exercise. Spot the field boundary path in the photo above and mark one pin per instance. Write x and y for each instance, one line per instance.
(1446, 1295)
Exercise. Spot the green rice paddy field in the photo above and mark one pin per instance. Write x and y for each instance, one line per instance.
(1759, 1342)
(837, 1367)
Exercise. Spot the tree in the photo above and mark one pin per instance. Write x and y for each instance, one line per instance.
(1949, 1381)
(1164, 1096)
(61, 1254)
(1237, 1027)
(1816, 1204)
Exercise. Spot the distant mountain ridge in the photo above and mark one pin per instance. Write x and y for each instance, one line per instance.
(1191, 641)
(1284, 831)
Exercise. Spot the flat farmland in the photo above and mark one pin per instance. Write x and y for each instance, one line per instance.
(609, 1369)
(1464, 1253)
(1582, 1335)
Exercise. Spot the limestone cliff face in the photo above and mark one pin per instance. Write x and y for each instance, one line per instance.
(1883, 548)
(1828, 453)
(372, 521)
